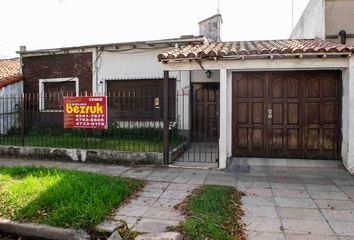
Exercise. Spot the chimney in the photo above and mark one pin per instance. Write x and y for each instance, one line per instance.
(22, 48)
(210, 28)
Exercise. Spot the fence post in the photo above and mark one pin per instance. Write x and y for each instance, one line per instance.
(22, 117)
(166, 122)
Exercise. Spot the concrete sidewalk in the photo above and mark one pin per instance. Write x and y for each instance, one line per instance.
(153, 209)
(280, 202)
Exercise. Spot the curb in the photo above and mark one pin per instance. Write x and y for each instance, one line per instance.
(41, 231)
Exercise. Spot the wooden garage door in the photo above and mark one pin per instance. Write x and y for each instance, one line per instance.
(287, 114)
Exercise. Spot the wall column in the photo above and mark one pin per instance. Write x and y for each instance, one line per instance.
(166, 121)
(348, 117)
(223, 119)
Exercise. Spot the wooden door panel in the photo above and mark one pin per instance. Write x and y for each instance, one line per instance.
(329, 140)
(293, 139)
(329, 88)
(248, 108)
(313, 138)
(284, 100)
(277, 139)
(313, 90)
(322, 106)
(242, 114)
(293, 86)
(242, 138)
(305, 119)
(257, 86)
(241, 87)
(277, 88)
(277, 114)
(257, 138)
(257, 112)
(329, 113)
(313, 114)
(293, 114)
(205, 112)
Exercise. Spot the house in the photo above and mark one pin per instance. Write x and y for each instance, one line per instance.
(278, 98)
(128, 73)
(273, 99)
(10, 85)
(117, 69)
(327, 19)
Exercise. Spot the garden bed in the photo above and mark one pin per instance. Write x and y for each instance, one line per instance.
(213, 212)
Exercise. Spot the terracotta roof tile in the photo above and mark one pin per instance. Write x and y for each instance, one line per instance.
(244, 48)
(9, 71)
(9, 67)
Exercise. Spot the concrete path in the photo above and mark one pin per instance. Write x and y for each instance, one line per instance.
(280, 203)
(153, 210)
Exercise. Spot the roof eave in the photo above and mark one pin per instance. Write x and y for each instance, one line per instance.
(196, 39)
(10, 80)
(262, 56)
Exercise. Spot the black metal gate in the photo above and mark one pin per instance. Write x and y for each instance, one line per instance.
(198, 123)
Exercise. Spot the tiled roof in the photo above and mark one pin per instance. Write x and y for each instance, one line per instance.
(9, 71)
(9, 67)
(247, 48)
(10, 80)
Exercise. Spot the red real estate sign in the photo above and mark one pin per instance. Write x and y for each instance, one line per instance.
(85, 112)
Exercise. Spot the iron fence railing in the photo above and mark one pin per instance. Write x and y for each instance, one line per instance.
(135, 123)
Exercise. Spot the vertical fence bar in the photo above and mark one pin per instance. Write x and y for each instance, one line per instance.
(22, 112)
(166, 122)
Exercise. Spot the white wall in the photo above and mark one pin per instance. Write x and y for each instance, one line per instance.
(127, 63)
(348, 117)
(132, 64)
(312, 21)
(10, 97)
(183, 100)
(199, 76)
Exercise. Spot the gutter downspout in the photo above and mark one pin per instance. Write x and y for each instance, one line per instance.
(343, 36)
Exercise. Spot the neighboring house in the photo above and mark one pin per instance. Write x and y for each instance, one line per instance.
(327, 19)
(10, 85)
(120, 70)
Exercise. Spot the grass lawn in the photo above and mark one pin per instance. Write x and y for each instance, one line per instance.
(92, 143)
(60, 197)
(213, 213)
(73, 141)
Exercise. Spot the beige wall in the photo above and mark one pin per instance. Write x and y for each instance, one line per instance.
(324, 19)
(339, 15)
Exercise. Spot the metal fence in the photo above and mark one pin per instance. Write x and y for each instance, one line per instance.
(135, 123)
(197, 120)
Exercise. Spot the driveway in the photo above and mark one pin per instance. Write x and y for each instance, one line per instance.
(298, 203)
(280, 202)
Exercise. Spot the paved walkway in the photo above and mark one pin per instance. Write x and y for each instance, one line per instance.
(153, 210)
(281, 202)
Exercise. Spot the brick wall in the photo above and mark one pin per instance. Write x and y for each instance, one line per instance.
(58, 66)
(54, 66)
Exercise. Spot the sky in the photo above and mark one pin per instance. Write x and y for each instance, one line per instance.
(39, 24)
